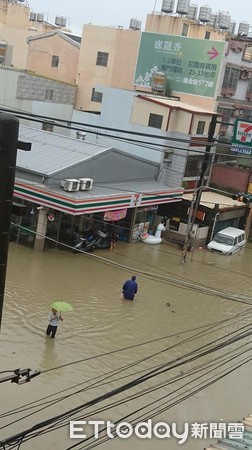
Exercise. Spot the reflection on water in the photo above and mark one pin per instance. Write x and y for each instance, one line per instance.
(102, 323)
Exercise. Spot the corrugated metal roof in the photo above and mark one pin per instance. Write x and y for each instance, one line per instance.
(176, 104)
(53, 152)
(210, 199)
(100, 190)
(108, 189)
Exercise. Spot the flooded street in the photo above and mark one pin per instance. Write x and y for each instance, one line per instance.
(177, 321)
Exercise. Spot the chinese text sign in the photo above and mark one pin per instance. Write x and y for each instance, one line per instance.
(191, 65)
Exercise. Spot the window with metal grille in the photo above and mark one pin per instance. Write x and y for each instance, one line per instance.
(49, 94)
(155, 121)
(96, 96)
(247, 54)
(102, 59)
(231, 78)
(249, 90)
(185, 29)
(207, 35)
(55, 61)
(200, 127)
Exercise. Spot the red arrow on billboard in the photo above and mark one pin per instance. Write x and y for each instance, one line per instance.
(213, 53)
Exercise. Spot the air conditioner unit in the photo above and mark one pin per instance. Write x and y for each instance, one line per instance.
(86, 184)
(70, 184)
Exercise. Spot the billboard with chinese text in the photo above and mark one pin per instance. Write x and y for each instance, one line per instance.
(242, 137)
(191, 65)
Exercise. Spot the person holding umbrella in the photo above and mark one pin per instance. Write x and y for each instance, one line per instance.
(54, 319)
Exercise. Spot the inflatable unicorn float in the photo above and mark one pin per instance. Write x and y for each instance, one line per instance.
(156, 239)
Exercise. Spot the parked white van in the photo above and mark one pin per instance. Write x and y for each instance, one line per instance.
(227, 241)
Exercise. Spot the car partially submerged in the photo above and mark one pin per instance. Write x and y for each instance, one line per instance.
(228, 241)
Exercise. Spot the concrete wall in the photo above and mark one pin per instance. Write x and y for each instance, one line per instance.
(122, 47)
(40, 55)
(26, 92)
(116, 113)
(15, 28)
(165, 24)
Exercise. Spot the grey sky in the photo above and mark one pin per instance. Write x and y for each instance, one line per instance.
(118, 12)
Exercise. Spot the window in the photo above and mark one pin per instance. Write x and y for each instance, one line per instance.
(207, 35)
(247, 114)
(102, 59)
(185, 29)
(230, 80)
(47, 126)
(247, 54)
(200, 127)
(96, 96)
(49, 94)
(55, 61)
(249, 90)
(193, 166)
(155, 121)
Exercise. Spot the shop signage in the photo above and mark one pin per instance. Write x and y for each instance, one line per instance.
(191, 65)
(242, 137)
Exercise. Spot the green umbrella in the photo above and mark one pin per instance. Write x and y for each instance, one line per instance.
(62, 306)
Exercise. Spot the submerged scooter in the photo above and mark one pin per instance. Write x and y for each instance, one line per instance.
(102, 240)
(83, 244)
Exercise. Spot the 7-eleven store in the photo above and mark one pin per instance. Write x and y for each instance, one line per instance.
(54, 215)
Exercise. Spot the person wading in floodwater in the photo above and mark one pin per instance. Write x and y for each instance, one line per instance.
(54, 319)
(130, 288)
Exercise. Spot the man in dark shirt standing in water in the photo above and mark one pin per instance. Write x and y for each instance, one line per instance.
(130, 288)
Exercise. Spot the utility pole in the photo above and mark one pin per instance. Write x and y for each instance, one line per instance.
(9, 126)
(8, 151)
(198, 190)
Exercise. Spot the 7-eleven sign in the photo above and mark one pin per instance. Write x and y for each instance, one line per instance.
(242, 137)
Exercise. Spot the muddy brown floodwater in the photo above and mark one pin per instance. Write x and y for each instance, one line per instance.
(98, 344)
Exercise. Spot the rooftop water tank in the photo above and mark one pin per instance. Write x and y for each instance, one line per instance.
(158, 81)
(40, 17)
(33, 16)
(183, 7)
(213, 20)
(224, 21)
(243, 28)
(232, 26)
(204, 13)
(60, 21)
(135, 24)
(193, 12)
(168, 6)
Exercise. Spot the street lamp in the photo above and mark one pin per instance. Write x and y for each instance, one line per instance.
(194, 207)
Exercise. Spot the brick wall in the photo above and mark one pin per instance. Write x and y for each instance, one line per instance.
(230, 177)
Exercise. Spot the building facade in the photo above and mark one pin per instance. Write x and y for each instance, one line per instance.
(26, 92)
(48, 183)
(54, 54)
(17, 23)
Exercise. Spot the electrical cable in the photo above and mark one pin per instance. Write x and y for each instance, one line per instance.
(210, 329)
(149, 375)
(179, 282)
